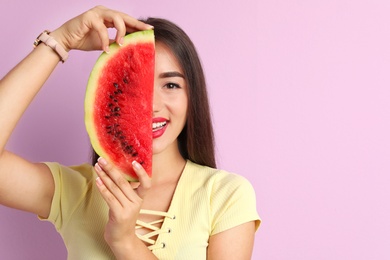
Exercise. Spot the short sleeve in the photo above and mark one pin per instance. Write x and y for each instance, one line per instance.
(233, 202)
(71, 184)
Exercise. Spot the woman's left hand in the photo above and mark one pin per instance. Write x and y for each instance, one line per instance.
(124, 201)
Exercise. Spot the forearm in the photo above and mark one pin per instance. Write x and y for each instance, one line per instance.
(20, 85)
(18, 176)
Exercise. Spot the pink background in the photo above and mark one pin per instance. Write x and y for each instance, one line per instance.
(300, 99)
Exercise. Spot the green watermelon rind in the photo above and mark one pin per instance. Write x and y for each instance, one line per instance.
(133, 38)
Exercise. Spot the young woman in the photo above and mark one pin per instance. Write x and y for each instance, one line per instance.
(188, 210)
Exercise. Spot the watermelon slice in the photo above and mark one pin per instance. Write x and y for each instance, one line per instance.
(118, 103)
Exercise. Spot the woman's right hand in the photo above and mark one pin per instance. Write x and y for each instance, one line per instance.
(89, 31)
(124, 200)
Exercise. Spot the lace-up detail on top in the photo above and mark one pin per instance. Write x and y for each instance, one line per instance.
(154, 228)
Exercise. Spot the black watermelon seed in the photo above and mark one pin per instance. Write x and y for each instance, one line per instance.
(116, 85)
(125, 80)
(129, 149)
(135, 154)
(117, 109)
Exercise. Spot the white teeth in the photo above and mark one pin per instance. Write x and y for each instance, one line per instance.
(158, 125)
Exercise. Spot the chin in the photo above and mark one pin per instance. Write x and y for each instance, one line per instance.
(159, 146)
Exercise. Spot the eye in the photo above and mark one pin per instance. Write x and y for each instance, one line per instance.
(172, 85)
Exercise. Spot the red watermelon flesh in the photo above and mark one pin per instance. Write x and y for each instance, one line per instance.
(118, 103)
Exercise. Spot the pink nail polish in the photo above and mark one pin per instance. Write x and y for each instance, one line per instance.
(136, 165)
(99, 181)
(120, 41)
(97, 167)
(102, 161)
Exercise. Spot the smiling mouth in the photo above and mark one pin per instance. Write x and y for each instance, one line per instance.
(158, 125)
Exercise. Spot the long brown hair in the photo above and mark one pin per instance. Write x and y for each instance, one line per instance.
(196, 141)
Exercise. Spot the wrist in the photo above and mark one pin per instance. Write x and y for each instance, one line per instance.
(121, 249)
(48, 40)
(131, 248)
(60, 39)
(118, 244)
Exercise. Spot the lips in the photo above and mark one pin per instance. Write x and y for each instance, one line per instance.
(159, 126)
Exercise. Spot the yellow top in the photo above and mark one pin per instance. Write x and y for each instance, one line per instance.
(206, 201)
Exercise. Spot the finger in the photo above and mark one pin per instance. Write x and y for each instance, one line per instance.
(108, 197)
(111, 186)
(133, 24)
(102, 32)
(120, 27)
(134, 185)
(144, 179)
(116, 183)
(114, 20)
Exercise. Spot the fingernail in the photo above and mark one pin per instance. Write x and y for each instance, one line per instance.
(102, 161)
(120, 42)
(97, 167)
(150, 27)
(107, 49)
(99, 181)
(136, 165)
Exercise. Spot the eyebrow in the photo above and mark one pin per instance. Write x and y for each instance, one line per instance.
(171, 74)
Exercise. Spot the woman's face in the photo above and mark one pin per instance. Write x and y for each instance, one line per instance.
(170, 100)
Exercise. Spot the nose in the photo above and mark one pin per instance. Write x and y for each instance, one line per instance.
(157, 100)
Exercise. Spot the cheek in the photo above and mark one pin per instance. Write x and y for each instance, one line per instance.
(184, 108)
(178, 106)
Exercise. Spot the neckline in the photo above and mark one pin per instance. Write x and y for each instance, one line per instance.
(178, 186)
(172, 204)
